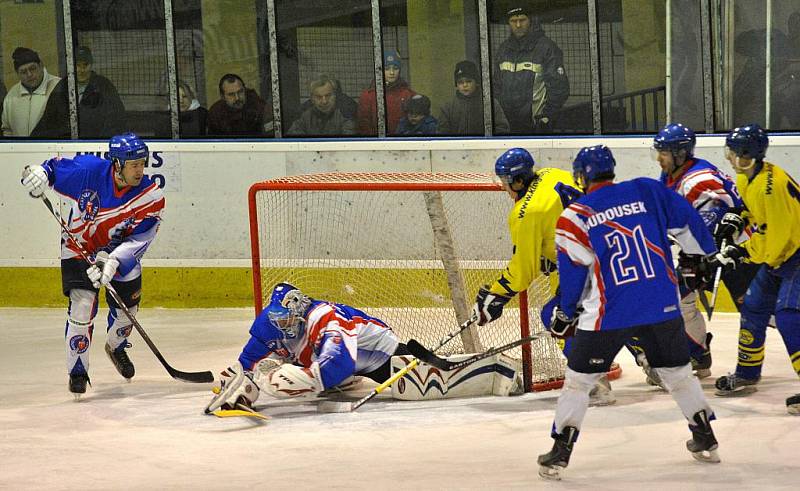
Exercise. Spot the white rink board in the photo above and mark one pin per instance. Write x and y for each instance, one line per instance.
(151, 433)
(206, 183)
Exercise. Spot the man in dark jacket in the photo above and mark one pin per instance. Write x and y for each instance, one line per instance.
(529, 75)
(240, 111)
(101, 113)
(463, 115)
(323, 118)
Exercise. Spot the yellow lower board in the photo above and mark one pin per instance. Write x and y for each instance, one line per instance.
(233, 287)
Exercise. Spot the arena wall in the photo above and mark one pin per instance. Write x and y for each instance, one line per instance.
(201, 257)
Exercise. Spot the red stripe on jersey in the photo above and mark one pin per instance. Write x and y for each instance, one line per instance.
(601, 288)
(709, 183)
(571, 227)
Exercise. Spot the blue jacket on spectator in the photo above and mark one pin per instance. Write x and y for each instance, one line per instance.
(426, 127)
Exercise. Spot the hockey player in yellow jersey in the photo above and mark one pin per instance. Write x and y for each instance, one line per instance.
(772, 198)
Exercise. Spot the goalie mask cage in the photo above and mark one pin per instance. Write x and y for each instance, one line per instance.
(409, 248)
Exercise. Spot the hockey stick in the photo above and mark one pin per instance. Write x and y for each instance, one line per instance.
(346, 407)
(426, 355)
(196, 377)
(715, 289)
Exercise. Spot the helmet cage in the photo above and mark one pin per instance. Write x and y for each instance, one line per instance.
(287, 313)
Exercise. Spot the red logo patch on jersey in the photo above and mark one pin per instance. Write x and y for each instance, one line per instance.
(79, 343)
(89, 204)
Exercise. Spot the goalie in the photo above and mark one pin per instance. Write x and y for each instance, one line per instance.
(313, 345)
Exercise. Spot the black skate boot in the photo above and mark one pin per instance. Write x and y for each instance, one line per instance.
(793, 404)
(702, 367)
(703, 445)
(735, 385)
(556, 460)
(77, 384)
(121, 361)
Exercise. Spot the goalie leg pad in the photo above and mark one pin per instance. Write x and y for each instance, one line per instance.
(494, 375)
(78, 333)
(290, 380)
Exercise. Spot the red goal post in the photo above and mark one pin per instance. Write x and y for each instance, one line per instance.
(409, 248)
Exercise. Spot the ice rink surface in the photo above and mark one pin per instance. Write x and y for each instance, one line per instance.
(151, 433)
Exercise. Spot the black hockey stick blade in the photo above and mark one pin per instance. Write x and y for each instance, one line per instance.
(426, 355)
(704, 302)
(429, 357)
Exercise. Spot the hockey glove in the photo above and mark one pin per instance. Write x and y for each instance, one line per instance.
(488, 306)
(694, 272)
(35, 180)
(730, 256)
(561, 326)
(103, 270)
(547, 266)
(236, 387)
(729, 227)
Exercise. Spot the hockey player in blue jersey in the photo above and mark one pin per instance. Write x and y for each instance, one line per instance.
(114, 214)
(615, 264)
(308, 346)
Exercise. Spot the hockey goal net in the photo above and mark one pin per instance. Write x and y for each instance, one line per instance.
(409, 248)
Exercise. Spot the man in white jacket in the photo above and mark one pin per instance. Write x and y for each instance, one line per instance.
(24, 104)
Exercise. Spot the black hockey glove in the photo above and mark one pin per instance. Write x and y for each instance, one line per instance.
(729, 256)
(489, 306)
(547, 266)
(694, 271)
(561, 326)
(729, 227)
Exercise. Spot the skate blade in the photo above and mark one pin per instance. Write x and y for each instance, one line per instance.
(793, 409)
(743, 391)
(233, 413)
(602, 401)
(334, 407)
(551, 473)
(707, 456)
(76, 397)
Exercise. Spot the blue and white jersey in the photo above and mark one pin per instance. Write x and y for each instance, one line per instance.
(122, 222)
(614, 256)
(342, 340)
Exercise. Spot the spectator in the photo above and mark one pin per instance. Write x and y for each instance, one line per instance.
(101, 113)
(418, 119)
(397, 92)
(24, 104)
(192, 115)
(2, 93)
(323, 118)
(240, 111)
(463, 115)
(530, 80)
(344, 103)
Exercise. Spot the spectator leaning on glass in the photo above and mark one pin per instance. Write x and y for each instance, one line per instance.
(192, 115)
(323, 118)
(418, 119)
(397, 93)
(463, 115)
(530, 80)
(24, 104)
(101, 113)
(240, 111)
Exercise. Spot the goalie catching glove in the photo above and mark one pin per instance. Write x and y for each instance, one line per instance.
(236, 387)
(103, 270)
(489, 306)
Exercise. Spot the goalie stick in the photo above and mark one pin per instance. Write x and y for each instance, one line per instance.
(346, 407)
(196, 377)
(428, 356)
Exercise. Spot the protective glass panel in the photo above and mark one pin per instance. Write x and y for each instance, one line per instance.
(121, 68)
(326, 59)
(31, 66)
(785, 63)
(686, 64)
(633, 67)
(747, 43)
(540, 66)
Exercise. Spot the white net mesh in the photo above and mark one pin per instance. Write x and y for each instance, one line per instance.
(375, 249)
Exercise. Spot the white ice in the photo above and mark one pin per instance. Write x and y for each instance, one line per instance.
(151, 433)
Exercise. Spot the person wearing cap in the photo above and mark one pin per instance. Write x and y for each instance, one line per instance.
(24, 104)
(396, 91)
(418, 119)
(101, 113)
(463, 115)
(530, 81)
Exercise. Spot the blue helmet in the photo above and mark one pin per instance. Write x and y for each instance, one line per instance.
(287, 308)
(675, 137)
(515, 163)
(127, 147)
(748, 141)
(594, 162)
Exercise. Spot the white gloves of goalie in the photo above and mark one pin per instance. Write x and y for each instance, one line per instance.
(35, 180)
(102, 271)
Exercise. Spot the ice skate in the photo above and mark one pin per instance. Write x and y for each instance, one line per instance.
(703, 444)
(702, 367)
(77, 384)
(553, 463)
(793, 404)
(121, 361)
(601, 394)
(735, 385)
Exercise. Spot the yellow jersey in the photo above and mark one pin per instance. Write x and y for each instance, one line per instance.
(532, 224)
(773, 202)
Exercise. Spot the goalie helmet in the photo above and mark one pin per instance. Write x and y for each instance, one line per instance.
(127, 147)
(675, 137)
(593, 163)
(748, 141)
(287, 308)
